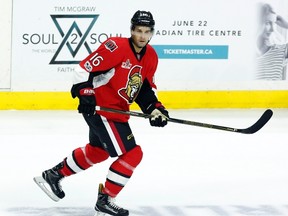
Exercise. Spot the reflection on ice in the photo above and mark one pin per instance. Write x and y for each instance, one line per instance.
(205, 210)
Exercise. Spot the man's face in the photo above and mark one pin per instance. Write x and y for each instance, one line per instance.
(141, 36)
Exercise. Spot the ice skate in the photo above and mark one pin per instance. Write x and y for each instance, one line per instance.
(51, 177)
(105, 205)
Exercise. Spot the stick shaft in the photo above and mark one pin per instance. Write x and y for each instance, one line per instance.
(250, 130)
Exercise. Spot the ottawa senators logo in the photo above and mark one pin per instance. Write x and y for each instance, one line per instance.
(134, 83)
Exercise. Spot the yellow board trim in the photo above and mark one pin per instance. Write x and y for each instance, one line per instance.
(171, 99)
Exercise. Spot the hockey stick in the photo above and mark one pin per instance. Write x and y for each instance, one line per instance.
(250, 130)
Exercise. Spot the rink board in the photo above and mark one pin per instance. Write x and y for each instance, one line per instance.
(171, 99)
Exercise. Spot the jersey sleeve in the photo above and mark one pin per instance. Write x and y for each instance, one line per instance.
(152, 69)
(147, 97)
(107, 56)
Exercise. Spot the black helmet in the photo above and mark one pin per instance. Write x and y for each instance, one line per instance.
(143, 18)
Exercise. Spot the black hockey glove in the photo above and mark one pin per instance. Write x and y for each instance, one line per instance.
(159, 113)
(86, 95)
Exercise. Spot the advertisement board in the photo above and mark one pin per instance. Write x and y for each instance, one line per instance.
(202, 45)
(5, 44)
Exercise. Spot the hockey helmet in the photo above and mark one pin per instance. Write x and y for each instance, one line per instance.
(143, 18)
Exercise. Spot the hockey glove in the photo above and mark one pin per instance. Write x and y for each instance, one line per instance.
(87, 100)
(160, 115)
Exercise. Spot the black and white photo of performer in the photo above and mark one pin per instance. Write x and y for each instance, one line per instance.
(272, 53)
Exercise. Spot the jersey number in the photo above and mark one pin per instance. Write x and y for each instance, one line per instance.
(96, 60)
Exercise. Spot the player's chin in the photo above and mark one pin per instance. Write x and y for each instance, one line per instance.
(142, 44)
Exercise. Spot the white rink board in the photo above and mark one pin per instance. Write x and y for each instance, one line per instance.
(45, 52)
(5, 44)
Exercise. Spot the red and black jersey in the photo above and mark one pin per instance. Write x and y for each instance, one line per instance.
(120, 73)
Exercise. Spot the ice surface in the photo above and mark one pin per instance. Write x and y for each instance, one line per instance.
(186, 170)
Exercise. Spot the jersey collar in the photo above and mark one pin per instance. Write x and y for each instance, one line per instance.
(142, 52)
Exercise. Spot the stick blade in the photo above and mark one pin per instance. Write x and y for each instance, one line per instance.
(266, 116)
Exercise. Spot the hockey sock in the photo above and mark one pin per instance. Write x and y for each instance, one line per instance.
(121, 170)
(82, 159)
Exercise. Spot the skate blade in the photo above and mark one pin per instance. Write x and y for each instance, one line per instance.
(39, 180)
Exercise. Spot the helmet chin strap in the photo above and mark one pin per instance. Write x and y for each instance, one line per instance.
(150, 38)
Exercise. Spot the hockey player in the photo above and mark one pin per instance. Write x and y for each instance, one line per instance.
(120, 72)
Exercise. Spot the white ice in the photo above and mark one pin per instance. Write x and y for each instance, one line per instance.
(186, 170)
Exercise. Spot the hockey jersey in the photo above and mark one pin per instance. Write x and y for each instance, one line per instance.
(119, 74)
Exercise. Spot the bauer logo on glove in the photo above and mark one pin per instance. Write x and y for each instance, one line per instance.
(87, 91)
(86, 95)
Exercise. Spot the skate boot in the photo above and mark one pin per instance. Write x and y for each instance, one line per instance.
(52, 177)
(105, 205)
